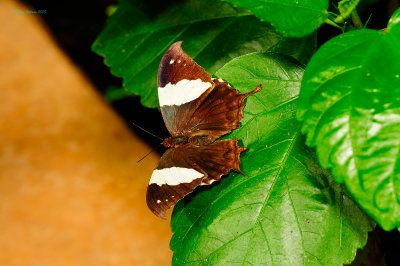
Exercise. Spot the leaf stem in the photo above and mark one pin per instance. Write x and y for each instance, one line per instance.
(330, 22)
(366, 22)
(333, 14)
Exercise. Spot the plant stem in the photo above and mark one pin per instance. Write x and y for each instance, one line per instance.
(330, 22)
(356, 20)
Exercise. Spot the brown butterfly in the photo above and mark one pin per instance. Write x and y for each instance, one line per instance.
(197, 110)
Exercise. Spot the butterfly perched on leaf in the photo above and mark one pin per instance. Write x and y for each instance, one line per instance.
(197, 110)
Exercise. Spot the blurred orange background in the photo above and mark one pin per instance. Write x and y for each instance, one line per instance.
(71, 192)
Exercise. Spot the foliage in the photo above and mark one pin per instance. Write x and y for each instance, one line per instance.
(284, 195)
(286, 209)
(291, 18)
(350, 105)
(213, 33)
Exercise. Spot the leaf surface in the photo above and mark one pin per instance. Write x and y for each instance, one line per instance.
(350, 105)
(346, 7)
(286, 210)
(214, 32)
(294, 18)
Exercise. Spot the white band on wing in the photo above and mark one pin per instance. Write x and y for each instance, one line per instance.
(182, 92)
(174, 176)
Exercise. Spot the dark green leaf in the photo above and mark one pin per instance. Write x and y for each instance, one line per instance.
(350, 105)
(291, 18)
(286, 210)
(213, 32)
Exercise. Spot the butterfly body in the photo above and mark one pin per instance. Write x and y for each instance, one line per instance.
(175, 141)
(195, 140)
(197, 110)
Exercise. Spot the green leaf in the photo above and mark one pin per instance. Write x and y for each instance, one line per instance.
(345, 9)
(111, 9)
(286, 210)
(213, 32)
(393, 25)
(350, 105)
(293, 18)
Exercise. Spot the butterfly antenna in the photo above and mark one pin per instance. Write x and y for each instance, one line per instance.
(149, 152)
(148, 132)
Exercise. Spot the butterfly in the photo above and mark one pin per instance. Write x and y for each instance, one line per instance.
(197, 110)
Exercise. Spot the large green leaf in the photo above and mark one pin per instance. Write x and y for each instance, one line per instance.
(350, 105)
(213, 32)
(286, 210)
(293, 18)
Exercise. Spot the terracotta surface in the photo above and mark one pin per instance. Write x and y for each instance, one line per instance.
(71, 192)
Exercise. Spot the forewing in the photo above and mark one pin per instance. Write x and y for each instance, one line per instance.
(182, 86)
(182, 169)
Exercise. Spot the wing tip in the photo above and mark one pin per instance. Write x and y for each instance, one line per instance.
(158, 211)
(259, 87)
(240, 149)
(173, 49)
(176, 45)
(161, 215)
(156, 207)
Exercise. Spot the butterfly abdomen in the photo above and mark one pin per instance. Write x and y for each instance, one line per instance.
(201, 140)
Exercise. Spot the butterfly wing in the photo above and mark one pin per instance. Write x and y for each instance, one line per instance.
(182, 86)
(203, 109)
(193, 103)
(219, 113)
(185, 167)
